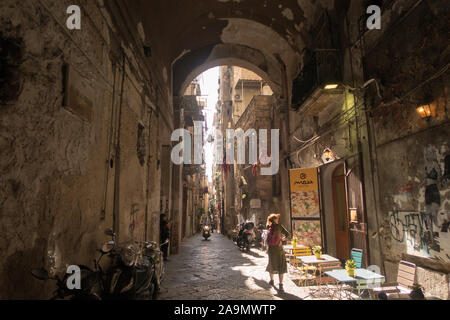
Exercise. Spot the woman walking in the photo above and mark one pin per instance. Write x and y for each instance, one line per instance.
(277, 259)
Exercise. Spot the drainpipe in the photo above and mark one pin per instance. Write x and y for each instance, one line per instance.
(148, 176)
(284, 126)
(371, 145)
(116, 207)
(108, 161)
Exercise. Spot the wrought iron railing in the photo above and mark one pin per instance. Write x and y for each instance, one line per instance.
(322, 68)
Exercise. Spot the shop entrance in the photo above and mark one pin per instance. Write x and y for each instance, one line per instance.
(340, 213)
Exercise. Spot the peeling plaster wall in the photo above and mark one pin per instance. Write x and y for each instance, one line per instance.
(58, 179)
(407, 58)
(258, 115)
(411, 153)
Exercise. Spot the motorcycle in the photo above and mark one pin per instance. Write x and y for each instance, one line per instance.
(259, 236)
(246, 236)
(91, 280)
(136, 271)
(206, 232)
(235, 233)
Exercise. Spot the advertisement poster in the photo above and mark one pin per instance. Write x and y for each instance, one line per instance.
(305, 206)
(304, 190)
(307, 232)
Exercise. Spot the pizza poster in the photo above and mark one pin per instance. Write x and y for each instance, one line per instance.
(304, 193)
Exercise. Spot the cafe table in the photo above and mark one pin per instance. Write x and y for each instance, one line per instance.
(312, 260)
(364, 279)
(290, 247)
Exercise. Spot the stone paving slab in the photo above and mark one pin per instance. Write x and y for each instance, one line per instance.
(217, 269)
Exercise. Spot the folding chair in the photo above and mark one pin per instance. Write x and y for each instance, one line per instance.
(326, 285)
(405, 280)
(357, 255)
(300, 275)
(303, 269)
(297, 252)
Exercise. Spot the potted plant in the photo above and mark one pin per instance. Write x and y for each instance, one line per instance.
(317, 250)
(294, 242)
(350, 266)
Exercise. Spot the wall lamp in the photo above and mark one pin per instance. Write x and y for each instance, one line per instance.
(328, 155)
(424, 111)
(331, 86)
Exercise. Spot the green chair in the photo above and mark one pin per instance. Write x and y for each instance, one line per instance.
(357, 255)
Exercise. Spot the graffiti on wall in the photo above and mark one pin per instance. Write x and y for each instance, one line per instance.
(437, 167)
(426, 233)
(134, 210)
(411, 231)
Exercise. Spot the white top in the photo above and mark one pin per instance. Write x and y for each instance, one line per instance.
(314, 260)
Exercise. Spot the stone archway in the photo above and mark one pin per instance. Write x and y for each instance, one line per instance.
(193, 64)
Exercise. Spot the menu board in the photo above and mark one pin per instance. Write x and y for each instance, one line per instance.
(305, 206)
(304, 192)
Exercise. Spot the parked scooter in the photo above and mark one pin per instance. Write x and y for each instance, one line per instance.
(235, 234)
(246, 235)
(92, 284)
(136, 271)
(206, 231)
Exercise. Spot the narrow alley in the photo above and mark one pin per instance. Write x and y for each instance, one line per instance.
(319, 129)
(217, 270)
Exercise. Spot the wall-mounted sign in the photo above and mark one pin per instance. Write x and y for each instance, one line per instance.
(305, 210)
(353, 214)
(304, 192)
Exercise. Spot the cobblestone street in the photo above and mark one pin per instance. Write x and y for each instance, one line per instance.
(217, 269)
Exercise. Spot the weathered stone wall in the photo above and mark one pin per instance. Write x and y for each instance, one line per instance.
(258, 115)
(408, 59)
(412, 154)
(68, 172)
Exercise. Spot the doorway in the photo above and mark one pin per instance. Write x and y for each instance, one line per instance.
(340, 212)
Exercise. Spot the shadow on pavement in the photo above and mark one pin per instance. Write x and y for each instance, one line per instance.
(254, 254)
(216, 269)
(262, 284)
(287, 296)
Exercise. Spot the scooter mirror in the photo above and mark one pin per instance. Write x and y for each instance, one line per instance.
(108, 246)
(109, 232)
(40, 274)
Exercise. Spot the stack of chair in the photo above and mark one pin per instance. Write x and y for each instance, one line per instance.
(299, 272)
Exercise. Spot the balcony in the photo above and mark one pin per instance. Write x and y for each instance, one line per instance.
(319, 84)
(192, 110)
(191, 169)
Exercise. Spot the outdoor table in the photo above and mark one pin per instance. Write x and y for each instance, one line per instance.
(312, 260)
(364, 279)
(290, 247)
